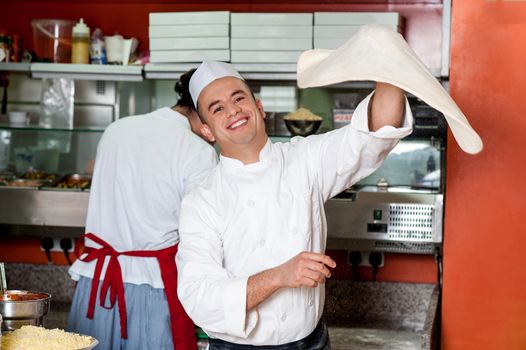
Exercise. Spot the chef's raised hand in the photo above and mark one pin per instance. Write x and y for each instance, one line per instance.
(386, 107)
(305, 269)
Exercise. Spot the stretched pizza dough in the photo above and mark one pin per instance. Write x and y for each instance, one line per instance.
(380, 54)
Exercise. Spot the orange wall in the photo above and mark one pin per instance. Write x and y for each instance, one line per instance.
(397, 267)
(484, 299)
(23, 249)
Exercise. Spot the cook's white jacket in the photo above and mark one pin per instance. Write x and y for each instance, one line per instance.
(144, 166)
(247, 218)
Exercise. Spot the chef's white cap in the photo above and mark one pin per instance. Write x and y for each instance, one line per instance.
(206, 73)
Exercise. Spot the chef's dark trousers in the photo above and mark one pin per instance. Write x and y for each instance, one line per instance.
(317, 340)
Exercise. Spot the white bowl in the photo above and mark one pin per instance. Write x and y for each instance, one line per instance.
(18, 118)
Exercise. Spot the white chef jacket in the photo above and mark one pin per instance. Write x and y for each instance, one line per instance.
(144, 166)
(247, 218)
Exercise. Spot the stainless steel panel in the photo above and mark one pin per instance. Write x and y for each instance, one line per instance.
(136, 98)
(95, 92)
(371, 245)
(410, 222)
(92, 116)
(95, 101)
(24, 89)
(38, 207)
(83, 115)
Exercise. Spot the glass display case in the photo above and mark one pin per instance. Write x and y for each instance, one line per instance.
(34, 159)
(45, 172)
(53, 151)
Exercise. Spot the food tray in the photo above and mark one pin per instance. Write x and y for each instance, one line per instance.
(71, 182)
(38, 175)
(24, 183)
(5, 177)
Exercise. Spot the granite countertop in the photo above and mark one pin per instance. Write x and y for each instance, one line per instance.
(352, 338)
(342, 338)
(380, 315)
(58, 316)
(360, 315)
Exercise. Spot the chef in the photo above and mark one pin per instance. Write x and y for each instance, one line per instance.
(251, 258)
(144, 166)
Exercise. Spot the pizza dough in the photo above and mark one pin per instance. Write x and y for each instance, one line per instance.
(380, 54)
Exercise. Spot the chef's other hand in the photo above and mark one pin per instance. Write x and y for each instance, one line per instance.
(305, 269)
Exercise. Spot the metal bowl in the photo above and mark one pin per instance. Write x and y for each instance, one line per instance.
(24, 308)
(302, 127)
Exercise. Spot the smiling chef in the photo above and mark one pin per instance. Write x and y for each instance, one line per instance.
(251, 258)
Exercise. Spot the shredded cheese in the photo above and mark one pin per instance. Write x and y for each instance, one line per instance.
(31, 337)
(302, 114)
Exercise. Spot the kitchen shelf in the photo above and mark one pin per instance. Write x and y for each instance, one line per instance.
(4, 126)
(86, 71)
(255, 71)
(250, 71)
(14, 67)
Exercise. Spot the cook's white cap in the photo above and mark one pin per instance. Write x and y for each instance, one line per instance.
(206, 73)
(380, 54)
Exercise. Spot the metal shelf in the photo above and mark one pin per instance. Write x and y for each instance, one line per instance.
(86, 71)
(7, 126)
(250, 71)
(15, 67)
(255, 71)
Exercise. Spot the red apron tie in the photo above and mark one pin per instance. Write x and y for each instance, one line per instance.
(183, 333)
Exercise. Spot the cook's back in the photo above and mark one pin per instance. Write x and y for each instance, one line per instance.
(144, 166)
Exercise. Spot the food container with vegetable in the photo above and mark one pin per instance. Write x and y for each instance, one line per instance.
(25, 183)
(30, 179)
(302, 122)
(20, 307)
(75, 182)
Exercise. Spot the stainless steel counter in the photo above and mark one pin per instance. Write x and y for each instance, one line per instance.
(21, 206)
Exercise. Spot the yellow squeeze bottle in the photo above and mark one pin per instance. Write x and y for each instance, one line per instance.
(81, 43)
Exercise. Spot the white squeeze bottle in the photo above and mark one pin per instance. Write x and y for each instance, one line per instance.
(81, 42)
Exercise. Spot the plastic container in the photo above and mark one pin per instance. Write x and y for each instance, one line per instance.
(97, 48)
(81, 43)
(52, 39)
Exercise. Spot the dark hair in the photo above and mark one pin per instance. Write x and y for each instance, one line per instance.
(183, 91)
